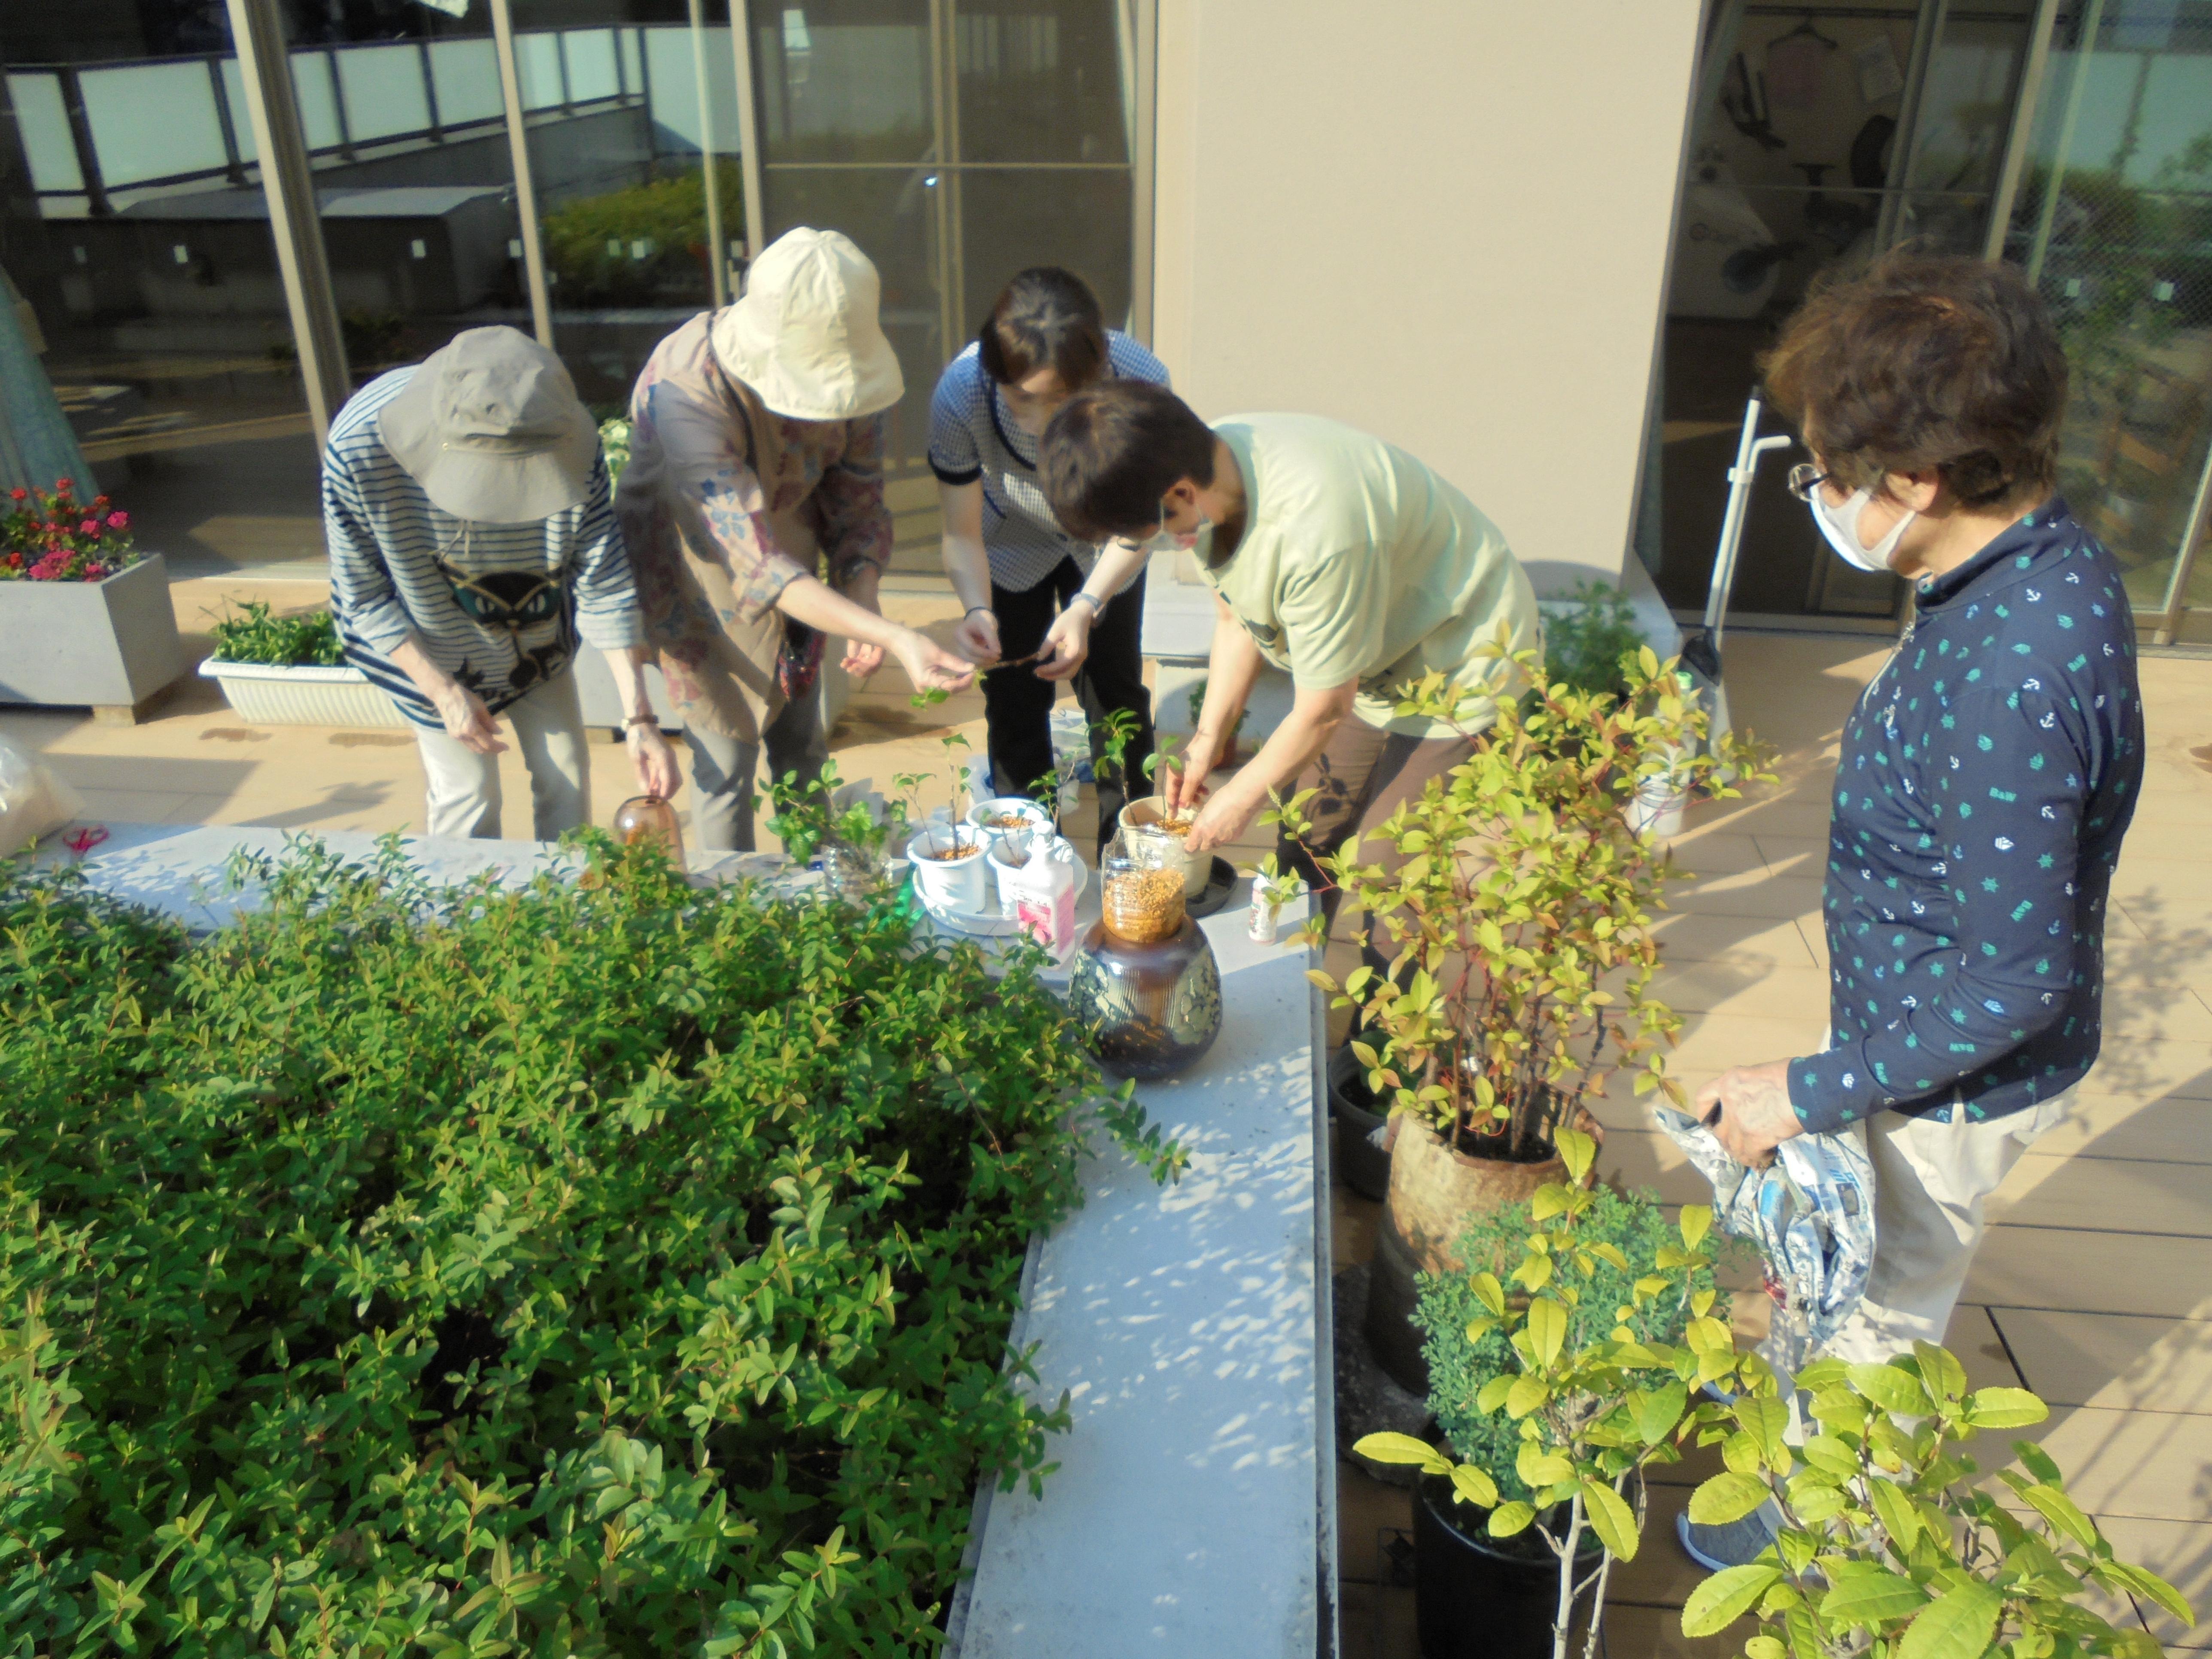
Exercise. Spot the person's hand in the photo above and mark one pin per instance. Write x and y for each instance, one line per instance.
(1748, 1109)
(468, 722)
(1222, 820)
(1067, 643)
(861, 659)
(1181, 788)
(652, 760)
(976, 638)
(930, 665)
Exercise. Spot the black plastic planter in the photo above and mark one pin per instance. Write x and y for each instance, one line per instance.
(1477, 1598)
(1364, 1165)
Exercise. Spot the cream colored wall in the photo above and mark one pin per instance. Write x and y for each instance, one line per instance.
(1444, 220)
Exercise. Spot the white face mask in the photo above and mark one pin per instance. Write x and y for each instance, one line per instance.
(1173, 541)
(1840, 524)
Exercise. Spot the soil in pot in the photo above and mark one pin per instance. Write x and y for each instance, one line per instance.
(950, 854)
(1480, 1597)
(1361, 1158)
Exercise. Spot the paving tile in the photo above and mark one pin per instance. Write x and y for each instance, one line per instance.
(1742, 983)
(1713, 1042)
(2136, 1012)
(1748, 894)
(2104, 1195)
(1717, 853)
(2062, 1268)
(2179, 1552)
(136, 806)
(2152, 1465)
(1695, 935)
(2176, 1070)
(2173, 1128)
(2119, 1361)
(1656, 1633)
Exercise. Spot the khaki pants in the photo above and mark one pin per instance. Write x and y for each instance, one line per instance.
(1930, 1180)
(463, 793)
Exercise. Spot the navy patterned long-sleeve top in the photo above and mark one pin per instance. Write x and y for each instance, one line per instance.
(1987, 777)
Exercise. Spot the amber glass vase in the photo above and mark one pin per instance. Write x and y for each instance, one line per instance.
(649, 818)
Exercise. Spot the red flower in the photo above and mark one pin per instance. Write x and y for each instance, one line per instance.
(89, 527)
(63, 486)
(119, 521)
(96, 572)
(19, 494)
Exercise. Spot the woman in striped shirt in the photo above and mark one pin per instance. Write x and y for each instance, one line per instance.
(1010, 561)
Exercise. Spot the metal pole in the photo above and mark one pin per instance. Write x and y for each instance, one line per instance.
(749, 161)
(718, 256)
(1144, 65)
(2184, 558)
(525, 194)
(265, 71)
(2040, 245)
(940, 160)
(2022, 135)
(1926, 32)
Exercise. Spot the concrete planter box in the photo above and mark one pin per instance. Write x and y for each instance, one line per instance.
(109, 645)
(302, 693)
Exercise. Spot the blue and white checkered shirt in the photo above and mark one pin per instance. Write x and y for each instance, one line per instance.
(973, 435)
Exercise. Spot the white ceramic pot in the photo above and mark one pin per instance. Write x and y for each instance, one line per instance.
(302, 694)
(1001, 806)
(949, 883)
(1197, 867)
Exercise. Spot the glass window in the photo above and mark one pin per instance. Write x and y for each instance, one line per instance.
(2115, 224)
(1042, 81)
(845, 80)
(164, 372)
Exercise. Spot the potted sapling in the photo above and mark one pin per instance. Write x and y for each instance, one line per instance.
(1516, 921)
(1566, 1362)
(1889, 1538)
(292, 671)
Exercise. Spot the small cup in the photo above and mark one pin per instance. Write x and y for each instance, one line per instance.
(948, 882)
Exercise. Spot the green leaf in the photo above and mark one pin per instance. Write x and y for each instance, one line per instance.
(2038, 1462)
(1765, 1647)
(1727, 1496)
(1898, 1517)
(1526, 1395)
(1814, 1497)
(1957, 1625)
(1403, 1449)
(1508, 1519)
(1830, 1455)
(1576, 1150)
(1538, 1468)
(2055, 1507)
(2004, 1409)
(1474, 1487)
(1697, 1221)
(2152, 1587)
(1767, 1420)
(1867, 1601)
(1611, 1518)
(1656, 1411)
(1548, 1328)
(1488, 1291)
(1726, 1597)
(1941, 1373)
(1893, 1388)
(1493, 1393)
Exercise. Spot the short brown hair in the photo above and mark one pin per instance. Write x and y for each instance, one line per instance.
(1113, 451)
(1927, 362)
(1046, 318)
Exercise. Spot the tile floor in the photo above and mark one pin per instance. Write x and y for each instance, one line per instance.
(2094, 1286)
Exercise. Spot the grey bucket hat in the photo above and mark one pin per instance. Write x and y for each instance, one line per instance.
(491, 427)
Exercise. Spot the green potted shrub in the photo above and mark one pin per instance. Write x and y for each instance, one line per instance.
(1517, 932)
(85, 617)
(1892, 1541)
(292, 671)
(1588, 636)
(1565, 1363)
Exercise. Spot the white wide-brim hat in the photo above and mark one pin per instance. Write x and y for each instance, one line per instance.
(804, 336)
(491, 427)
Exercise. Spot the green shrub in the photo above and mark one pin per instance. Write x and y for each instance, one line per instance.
(606, 1269)
(253, 634)
(1584, 647)
(593, 244)
(1493, 1242)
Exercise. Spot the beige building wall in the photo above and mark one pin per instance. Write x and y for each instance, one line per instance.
(1446, 222)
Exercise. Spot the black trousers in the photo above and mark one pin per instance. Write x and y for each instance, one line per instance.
(1017, 705)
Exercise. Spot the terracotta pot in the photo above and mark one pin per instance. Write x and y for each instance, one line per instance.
(1432, 1193)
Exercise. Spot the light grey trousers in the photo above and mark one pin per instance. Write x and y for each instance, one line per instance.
(462, 799)
(722, 772)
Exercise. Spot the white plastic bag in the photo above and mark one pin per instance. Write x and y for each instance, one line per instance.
(33, 802)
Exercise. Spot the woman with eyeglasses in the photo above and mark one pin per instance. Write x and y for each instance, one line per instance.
(471, 543)
(1986, 779)
(1051, 605)
(1332, 554)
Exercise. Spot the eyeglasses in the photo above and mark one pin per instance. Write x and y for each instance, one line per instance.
(1805, 478)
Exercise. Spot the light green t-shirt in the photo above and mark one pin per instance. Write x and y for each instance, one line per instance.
(1358, 562)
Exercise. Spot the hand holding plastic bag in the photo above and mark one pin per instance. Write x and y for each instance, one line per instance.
(33, 802)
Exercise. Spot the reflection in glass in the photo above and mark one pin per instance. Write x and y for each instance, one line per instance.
(845, 80)
(1041, 80)
(2114, 222)
(1012, 218)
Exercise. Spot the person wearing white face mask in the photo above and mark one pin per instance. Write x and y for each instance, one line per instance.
(1986, 779)
(1332, 554)
(1010, 559)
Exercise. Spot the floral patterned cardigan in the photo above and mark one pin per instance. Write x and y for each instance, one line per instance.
(723, 504)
